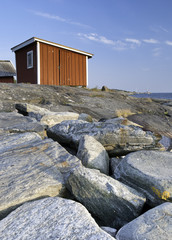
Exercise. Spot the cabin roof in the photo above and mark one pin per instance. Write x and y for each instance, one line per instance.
(35, 39)
(7, 69)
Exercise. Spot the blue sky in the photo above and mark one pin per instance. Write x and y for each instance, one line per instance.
(131, 39)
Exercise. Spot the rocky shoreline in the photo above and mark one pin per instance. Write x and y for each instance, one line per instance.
(84, 164)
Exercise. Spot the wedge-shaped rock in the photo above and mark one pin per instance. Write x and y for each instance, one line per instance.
(93, 154)
(14, 122)
(152, 225)
(150, 172)
(11, 141)
(114, 203)
(32, 110)
(51, 218)
(33, 171)
(118, 139)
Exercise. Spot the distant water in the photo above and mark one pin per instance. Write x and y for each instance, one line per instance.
(154, 95)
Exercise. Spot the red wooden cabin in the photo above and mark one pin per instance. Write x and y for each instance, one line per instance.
(42, 62)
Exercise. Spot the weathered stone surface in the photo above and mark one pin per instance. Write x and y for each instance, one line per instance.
(51, 218)
(55, 118)
(96, 103)
(93, 154)
(117, 139)
(11, 141)
(114, 163)
(152, 225)
(14, 122)
(44, 115)
(32, 171)
(85, 117)
(150, 172)
(114, 203)
(32, 110)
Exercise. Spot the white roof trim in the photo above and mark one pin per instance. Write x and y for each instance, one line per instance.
(34, 39)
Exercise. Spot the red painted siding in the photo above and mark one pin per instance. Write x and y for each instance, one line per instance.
(61, 67)
(49, 64)
(25, 75)
(6, 79)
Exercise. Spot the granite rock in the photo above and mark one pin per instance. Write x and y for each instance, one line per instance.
(93, 154)
(150, 172)
(117, 139)
(152, 225)
(114, 203)
(51, 218)
(33, 171)
(12, 122)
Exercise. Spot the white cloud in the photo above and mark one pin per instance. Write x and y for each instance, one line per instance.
(95, 37)
(133, 40)
(151, 40)
(58, 18)
(117, 45)
(169, 43)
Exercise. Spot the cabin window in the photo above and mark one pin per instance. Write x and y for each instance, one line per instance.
(29, 59)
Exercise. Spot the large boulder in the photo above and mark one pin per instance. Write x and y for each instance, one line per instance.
(12, 122)
(150, 172)
(152, 225)
(114, 203)
(93, 154)
(32, 170)
(51, 218)
(117, 139)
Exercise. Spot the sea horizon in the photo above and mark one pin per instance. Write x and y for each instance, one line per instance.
(155, 95)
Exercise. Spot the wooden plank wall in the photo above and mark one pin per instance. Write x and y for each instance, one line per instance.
(49, 65)
(61, 67)
(72, 68)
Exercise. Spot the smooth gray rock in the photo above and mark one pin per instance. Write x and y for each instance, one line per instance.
(51, 218)
(152, 225)
(12, 122)
(114, 163)
(93, 154)
(167, 143)
(150, 172)
(114, 203)
(9, 141)
(109, 230)
(58, 117)
(117, 139)
(33, 171)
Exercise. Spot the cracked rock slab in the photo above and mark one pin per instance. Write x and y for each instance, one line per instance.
(51, 218)
(33, 171)
(12, 122)
(114, 203)
(117, 139)
(150, 172)
(152, 225)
